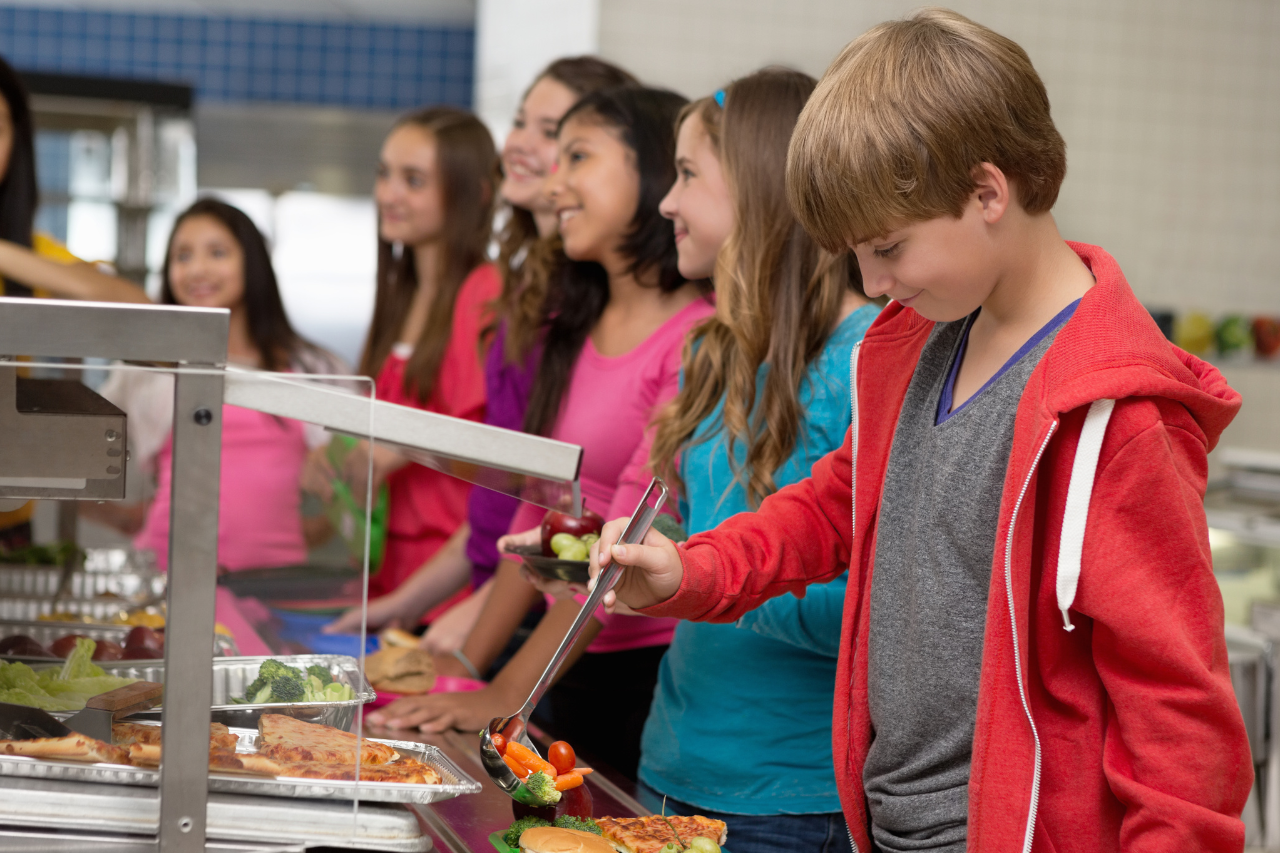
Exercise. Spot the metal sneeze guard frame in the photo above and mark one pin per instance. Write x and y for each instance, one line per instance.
(544, 471)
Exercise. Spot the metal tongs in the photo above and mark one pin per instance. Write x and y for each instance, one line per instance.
(515, 727)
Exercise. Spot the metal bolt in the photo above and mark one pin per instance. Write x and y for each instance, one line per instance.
(204, 417)
(186, 824)
(112, 435)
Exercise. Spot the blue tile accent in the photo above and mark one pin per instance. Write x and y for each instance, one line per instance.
(229, 58)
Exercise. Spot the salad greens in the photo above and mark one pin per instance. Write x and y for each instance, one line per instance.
(58, 689)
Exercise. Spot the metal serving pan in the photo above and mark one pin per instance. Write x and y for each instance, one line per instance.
(134, 586)
(232, 675)
(82, 807)
(101, 610)
(45, 631)
(454, 782)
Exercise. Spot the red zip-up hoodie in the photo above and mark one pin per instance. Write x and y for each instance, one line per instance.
(1106, 719)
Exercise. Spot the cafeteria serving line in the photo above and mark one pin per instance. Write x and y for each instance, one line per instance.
(605, 425)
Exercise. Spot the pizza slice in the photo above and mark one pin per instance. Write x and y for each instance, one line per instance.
(143, 741)
(405, 771)
(649, 834)
(72, 747)
(287, 739)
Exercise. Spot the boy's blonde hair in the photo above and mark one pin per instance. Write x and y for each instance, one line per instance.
(902, 117)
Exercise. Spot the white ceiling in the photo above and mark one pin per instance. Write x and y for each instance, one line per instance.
(418, 11)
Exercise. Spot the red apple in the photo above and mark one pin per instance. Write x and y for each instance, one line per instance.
(64, 646)
(561, 522)
(1266, 336)
(142, 653)
(141, 635)
(107, 650)
(23, 646)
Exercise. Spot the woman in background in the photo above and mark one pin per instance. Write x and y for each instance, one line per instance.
(529, 254)
(436, 188)
(32, 263)
(217, 258)
(610, 361)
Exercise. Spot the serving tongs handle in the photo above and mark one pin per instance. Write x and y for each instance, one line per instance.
(635, 531)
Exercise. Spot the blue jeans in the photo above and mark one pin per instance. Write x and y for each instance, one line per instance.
(779, 833)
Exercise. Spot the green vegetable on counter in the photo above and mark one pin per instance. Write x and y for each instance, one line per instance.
(512, 836)
(59, 689)
(582, 824)
(280, 683)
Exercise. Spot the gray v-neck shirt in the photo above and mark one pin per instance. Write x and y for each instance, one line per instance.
(935, 539)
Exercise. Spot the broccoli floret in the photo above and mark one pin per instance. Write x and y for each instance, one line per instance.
(512, 836)
(288, 688)
(543, 787)
(272, 668)
(320, 672)
(582, 824)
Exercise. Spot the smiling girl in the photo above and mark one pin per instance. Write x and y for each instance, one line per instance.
(217, 258)
(765, 394)
(436, 186)
(529, 254)
(610, 361)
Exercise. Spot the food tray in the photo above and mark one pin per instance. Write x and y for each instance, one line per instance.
(455, 781)
(551, 568)
(233, 674)
(265, 822)
(133, 586)
(45, 632)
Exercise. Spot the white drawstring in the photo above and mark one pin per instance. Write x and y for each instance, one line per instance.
(1076, 515)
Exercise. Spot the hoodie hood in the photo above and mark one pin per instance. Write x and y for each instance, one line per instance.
(1112, 349)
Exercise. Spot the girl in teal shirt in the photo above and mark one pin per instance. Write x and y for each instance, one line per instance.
(740, 727)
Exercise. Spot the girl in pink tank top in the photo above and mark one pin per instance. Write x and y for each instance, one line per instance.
(610, 361)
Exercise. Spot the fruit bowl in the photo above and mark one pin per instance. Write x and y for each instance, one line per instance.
(551, 568)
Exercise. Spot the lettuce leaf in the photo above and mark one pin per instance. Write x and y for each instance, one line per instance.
(80, 662)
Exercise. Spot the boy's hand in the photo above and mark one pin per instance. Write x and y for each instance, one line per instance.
(653, 569)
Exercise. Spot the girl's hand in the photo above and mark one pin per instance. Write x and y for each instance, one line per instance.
(317, 474)
(438, 712)
(450, 629)
(355, 469)
(387, 611)
(652, 572)
(517, 540)
(557, 589)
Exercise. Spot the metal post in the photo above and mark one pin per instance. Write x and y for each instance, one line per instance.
(192, 593)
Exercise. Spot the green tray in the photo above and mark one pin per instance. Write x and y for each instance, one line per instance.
(501, 846)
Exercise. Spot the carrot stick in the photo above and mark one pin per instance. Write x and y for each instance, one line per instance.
(565, 781)
(529, 758)
(585, 771)
(517, 768)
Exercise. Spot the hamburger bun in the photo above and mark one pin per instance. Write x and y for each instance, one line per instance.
(552, 839)
(400, 670)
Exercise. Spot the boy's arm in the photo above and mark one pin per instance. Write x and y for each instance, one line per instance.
(1176, 752)
(800, 535)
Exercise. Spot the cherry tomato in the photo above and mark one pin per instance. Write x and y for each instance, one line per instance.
(561, 756)
(500, 744)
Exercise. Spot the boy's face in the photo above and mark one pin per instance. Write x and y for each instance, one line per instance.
(944, 268)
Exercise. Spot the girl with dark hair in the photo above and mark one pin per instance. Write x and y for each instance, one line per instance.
(436, 187)
(32, 263)
(217, 258)
(529, 255)
(619, 316)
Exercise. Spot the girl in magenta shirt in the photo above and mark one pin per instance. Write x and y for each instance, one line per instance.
(610, 361)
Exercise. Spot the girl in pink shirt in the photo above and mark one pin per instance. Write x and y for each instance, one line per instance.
(610, 361)
(435, 191)
(217, 258)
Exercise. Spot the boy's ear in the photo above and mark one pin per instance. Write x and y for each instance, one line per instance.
(992, 190)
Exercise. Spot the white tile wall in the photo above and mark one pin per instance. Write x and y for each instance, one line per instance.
(1170, 109)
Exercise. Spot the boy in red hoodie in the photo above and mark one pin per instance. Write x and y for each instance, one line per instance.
(1033, 654)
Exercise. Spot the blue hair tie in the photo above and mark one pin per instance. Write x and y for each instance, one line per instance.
(720, 99)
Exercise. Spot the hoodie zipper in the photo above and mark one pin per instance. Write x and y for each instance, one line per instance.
(853, 511)
(1013, 624)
